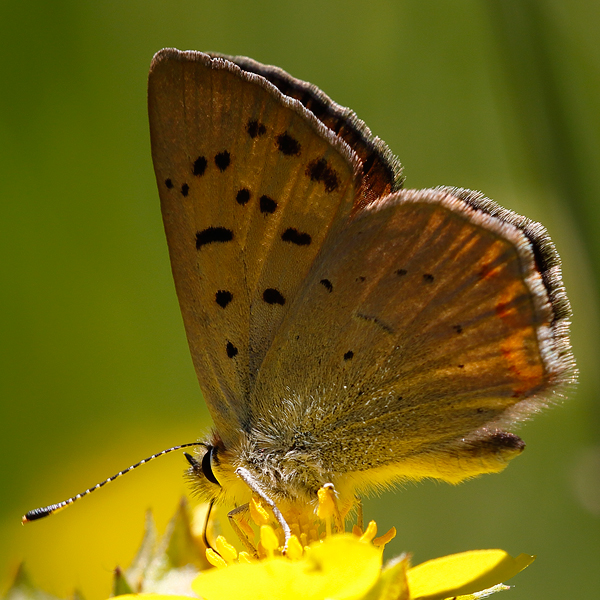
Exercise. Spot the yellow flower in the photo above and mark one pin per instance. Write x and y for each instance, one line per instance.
(339, 568)
(319, 565)
(318, 561)
(344, 568)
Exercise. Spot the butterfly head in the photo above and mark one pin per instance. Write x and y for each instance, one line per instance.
(206, 470)
(212, 473)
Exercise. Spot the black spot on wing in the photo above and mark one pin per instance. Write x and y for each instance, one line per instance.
(231, 350)
(267, 205)
(169, 184)
(185, 188)
(327, 285)
(199, 166)
(401, 272)
(254, 128)
(319, 170)
(349, 355)
(243, 196)
(222, 160)
(213, 234)
(457, 328)
(273, 296)
(360, 279)
(428, 278)
(223, 298)
(296, 237)
(288, 145)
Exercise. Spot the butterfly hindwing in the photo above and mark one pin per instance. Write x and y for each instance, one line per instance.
(425, 322)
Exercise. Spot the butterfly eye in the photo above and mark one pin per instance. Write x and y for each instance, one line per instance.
(207, 465)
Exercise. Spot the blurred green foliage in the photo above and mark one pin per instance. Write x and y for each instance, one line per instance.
(497, 95)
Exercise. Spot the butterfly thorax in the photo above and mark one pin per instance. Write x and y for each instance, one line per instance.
(284, 467)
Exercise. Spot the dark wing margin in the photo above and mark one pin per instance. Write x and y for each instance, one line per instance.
(548, 264)
(382, 171)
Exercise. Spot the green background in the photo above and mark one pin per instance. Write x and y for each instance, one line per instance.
(501, 96)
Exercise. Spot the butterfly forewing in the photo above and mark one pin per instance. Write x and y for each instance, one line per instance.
(250, 186)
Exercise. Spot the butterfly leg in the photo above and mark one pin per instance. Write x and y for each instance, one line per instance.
(251, 482)
(236, 516)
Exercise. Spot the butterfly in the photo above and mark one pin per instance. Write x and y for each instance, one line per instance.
(343, 330)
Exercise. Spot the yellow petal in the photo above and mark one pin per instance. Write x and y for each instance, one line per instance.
(370, 532)
(340, 568)
(382, 540)
(225, 549)
(150, 597)
(215, 559)
(268, 538)
(326, 503)
(392, 585)
(245, 557)
(294, 549)
(463, 573)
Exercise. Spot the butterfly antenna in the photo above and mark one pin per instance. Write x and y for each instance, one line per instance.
(39, 513)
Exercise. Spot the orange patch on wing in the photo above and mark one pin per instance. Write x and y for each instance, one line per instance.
(491, 265)
(516, 351)
(488, 270)
(520, 348)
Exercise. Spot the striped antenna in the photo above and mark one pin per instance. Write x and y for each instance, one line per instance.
(39, 513)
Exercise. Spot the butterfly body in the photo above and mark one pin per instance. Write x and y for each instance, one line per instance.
(343, 330)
